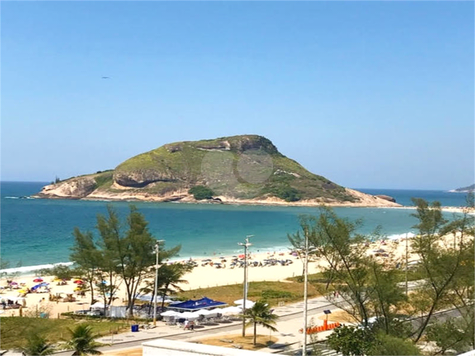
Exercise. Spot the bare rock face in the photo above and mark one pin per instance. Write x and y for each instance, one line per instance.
(140, 179)
(253, 142)
(75, 188)
(386, 197)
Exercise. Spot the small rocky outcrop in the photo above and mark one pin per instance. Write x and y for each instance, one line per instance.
(386, 197)
(75, 188)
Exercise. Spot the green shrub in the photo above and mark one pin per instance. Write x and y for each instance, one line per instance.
(201, 192)
(285, 192)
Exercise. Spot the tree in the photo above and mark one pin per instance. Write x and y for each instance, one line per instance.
(134, 254)
(260, 314)
(366, 286)
(351, 340)
(126, 254)
(201, 192)
(453, 334)
(86, 255)
(169, 278)
(385, 295)
(392, 345)
(37, 345)
(59, 271)
(446, 264)
(82, 341)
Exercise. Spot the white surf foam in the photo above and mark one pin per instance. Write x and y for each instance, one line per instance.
(401, 236)
(27, 269)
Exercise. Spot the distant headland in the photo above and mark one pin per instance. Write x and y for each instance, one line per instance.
(244, 169)
(469, 189)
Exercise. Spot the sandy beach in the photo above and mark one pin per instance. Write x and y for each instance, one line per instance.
(203, 276)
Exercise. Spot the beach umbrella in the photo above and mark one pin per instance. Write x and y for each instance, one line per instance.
(78, 281)
(249, 303)
(38, 280)
(210, 313)
(13, 283)
(197, 313)
(231, 310)
(170, 313)
(188, 315)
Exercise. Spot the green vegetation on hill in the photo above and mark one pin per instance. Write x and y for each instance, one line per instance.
(104, 178)
(243, 167)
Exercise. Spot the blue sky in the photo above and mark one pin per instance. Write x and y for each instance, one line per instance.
(367, 94)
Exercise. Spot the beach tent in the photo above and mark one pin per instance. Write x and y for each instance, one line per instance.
(98, 305)
(170, 313)
(249, 303)
(210, 313)
(118, 312)
(148, 298)
(231, 310)
(202, 303)
(44, 284)
(197, 313)
(188, 316)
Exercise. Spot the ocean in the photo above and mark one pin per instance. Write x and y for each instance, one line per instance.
(38, 232)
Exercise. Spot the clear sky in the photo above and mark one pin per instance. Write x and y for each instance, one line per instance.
(367, 94)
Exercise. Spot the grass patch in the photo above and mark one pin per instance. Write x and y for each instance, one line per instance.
(14, 329)
(246, 343)
(273, 292)
(104, 179)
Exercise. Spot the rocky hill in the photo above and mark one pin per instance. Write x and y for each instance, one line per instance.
(239, 169)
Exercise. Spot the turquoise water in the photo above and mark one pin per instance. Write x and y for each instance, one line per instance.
(38, 231)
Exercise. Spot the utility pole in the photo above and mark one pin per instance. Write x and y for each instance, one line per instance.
(246, 245)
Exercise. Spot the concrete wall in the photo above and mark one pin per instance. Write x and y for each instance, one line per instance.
(162, 347)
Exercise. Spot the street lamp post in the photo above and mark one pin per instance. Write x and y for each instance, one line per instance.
(246, 245)
(305, 298)
(407, 289)
(157, 252)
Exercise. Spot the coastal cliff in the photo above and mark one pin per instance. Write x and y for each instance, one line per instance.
(245, 169)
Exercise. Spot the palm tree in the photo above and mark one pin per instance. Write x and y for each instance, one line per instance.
(170, 276)
(82, 341)
(37, 345)
(260, 314)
